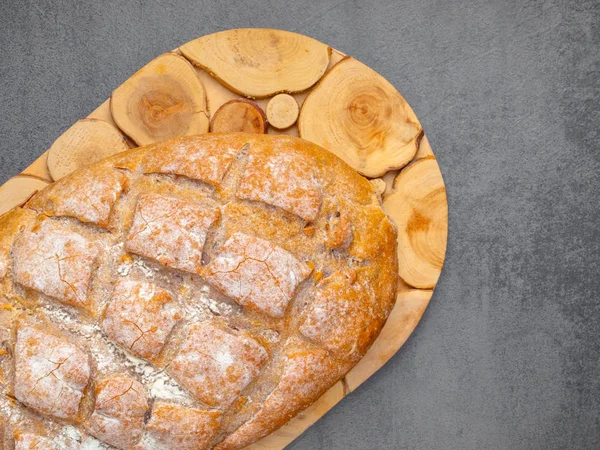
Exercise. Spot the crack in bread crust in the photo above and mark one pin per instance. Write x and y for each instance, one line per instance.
(197, 293)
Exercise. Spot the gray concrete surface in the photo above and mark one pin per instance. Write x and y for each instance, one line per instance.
(507, 355)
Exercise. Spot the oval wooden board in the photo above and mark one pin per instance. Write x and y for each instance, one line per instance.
(411, 302)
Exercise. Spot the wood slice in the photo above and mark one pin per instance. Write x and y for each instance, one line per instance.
(358, 115)
(282, 111)
(257, 62)
(17, 190)
(162, 100)
(87, 141)
(39, 169)
(419, 208)
(239, 115)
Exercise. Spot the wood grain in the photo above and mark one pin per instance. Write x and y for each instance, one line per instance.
(358, 115)
(258, 63)
(87, 141)
(239, 115)
(419, 208)
(162, 100)
(282, 111)
(414, 184)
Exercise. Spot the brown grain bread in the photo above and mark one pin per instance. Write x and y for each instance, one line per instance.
(193, 294)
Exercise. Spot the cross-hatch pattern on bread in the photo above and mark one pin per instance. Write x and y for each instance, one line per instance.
(193, 294)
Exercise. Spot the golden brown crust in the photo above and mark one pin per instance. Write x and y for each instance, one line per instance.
(88, 195)
(227, 279)
(308, 372)
(11, 223)
(185, 428)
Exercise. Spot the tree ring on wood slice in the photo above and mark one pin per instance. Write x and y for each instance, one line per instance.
(19, 189)
(239, 115)
(258, 63)
(282, 111)
(358, 115)
(87, 141)
(162, 100)
(419, 207)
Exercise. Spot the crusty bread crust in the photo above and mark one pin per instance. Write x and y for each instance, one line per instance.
(196, 293)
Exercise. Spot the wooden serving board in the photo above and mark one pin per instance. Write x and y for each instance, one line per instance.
(337, 102)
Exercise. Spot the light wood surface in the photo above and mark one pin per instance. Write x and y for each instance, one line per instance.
(419, 208)
(239, 115)
(282, 111)
(358, 115)
(87, 141)
(380, 129)
(162, 100)
(258, 63)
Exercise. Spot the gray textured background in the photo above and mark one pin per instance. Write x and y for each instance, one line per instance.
(507, 354)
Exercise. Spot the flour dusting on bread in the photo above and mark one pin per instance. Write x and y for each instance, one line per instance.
(194, 294)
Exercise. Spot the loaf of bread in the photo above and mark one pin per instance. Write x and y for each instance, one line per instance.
(193, 294)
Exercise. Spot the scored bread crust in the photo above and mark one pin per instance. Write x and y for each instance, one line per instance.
(195, 293)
